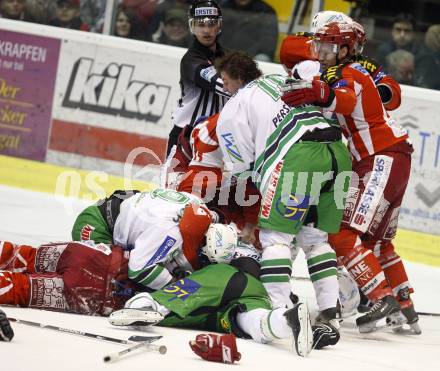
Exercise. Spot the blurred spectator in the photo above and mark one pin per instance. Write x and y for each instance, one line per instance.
(43, 11)
(175, 30)
(400, 64)
(67, 16)
(127, 24)
(251, 26)
(92, 12)
(402, 37)
(165, 5)
(15, 9)
(428, 63)
(146, 12)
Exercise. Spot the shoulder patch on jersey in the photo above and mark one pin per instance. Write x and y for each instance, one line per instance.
(162, 251)
(370, 64)
(359, 68)
(208, 73)
(332, 74)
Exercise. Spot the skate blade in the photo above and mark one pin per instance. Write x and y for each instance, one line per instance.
(135, 317)
(414, 329)
(394, 321)
(304, 341)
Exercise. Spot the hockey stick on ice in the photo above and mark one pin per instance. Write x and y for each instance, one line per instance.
(428, 314)
(136, 338)
(162, 349)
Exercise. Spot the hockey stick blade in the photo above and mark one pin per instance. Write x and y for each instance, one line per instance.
(145, 339)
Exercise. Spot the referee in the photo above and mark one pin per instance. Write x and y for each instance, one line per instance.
(201, 87)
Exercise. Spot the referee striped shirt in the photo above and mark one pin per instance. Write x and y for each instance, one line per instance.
(202, 92)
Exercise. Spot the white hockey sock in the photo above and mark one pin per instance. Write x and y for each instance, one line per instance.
(275, 272)
(321, 262)
(264, 325)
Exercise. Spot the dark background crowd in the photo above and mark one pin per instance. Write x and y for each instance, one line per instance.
(404, 41)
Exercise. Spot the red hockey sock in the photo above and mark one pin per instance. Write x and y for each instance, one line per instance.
(14, 288)
(367, 272)
(6, 253)
(361, 263)
(392, 266)
(17, 258)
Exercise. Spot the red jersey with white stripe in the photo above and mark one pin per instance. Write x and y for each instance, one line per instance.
(360, 112)
(204, 144)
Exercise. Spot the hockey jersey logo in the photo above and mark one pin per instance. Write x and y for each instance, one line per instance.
(162, 251)
(332, 74)
(231, 148)
(182, 289)
(113, 91)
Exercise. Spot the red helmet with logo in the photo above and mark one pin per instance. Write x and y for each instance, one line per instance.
(341, 34)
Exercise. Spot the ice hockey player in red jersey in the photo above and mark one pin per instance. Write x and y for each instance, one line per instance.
(389, 89)
(381, 165)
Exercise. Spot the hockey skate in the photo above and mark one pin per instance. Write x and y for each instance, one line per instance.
(387, 309)
(326, 328)
(298, 318)
(409, 314)
(135, 317)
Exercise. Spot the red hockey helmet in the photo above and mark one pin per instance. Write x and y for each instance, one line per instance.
(361, 37)
(338, 34)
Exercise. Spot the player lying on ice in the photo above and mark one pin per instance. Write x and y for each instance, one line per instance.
(87, 278)
(225, 297)
(157, 236)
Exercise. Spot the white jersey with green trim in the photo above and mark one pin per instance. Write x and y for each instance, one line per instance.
(256, 129)
(148, 226)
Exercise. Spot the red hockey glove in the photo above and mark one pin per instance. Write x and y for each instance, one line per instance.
(216, 348)
(319, 93)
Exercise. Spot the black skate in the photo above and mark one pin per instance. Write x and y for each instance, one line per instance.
(326, 328)
(408, 313)
(298, 319)
(365, 304)
(135, 317)
(387, 307)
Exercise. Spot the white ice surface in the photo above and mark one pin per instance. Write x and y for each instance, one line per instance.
(33, 218)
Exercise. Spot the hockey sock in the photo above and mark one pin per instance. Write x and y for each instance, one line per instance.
(367, 272)
(264, 325)
(6, 253)
(14, 288)
(275, 272)
(321, 263)
(17, 258)
(392, 266)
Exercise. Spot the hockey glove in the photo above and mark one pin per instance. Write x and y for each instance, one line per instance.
(324, 334)
(216, 348)
(6, 332)
(319, 93)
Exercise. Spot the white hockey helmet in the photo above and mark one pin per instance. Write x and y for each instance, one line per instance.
(320, 19)
(221, 241)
